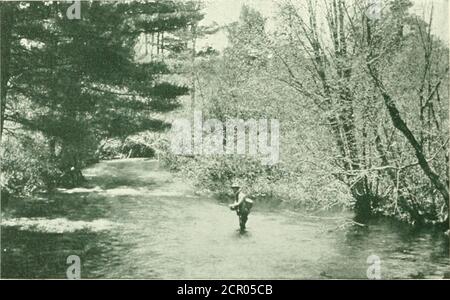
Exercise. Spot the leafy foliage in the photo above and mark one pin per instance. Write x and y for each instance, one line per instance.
(75, 83)
(362, 105)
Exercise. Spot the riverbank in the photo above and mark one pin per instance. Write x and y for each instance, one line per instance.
(135, 220)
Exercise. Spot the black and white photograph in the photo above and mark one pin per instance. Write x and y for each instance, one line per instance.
(225, 140)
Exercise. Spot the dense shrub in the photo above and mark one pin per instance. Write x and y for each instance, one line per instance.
(278, 184)
(27, 167)
(132, 147)
(110, 149)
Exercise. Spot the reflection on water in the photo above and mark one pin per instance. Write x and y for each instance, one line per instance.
(136, 221)
(59, 225)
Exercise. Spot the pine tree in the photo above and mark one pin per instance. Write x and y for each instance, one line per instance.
(77, 81)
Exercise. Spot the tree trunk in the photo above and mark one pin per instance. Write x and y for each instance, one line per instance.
(151, 46)
(194, 39)
(6, 23)
(400, 124)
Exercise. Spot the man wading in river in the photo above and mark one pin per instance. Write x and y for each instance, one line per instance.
(242, 205)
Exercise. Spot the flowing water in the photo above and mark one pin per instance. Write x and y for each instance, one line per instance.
(138, 221)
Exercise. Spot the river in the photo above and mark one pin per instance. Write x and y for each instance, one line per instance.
(136, 220)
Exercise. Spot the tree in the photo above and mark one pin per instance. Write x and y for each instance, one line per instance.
(77, 81)
(427, 94)
(6, 23)
(343, 57)
(330, 59)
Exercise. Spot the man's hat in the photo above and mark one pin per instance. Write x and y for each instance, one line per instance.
(235, 184)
